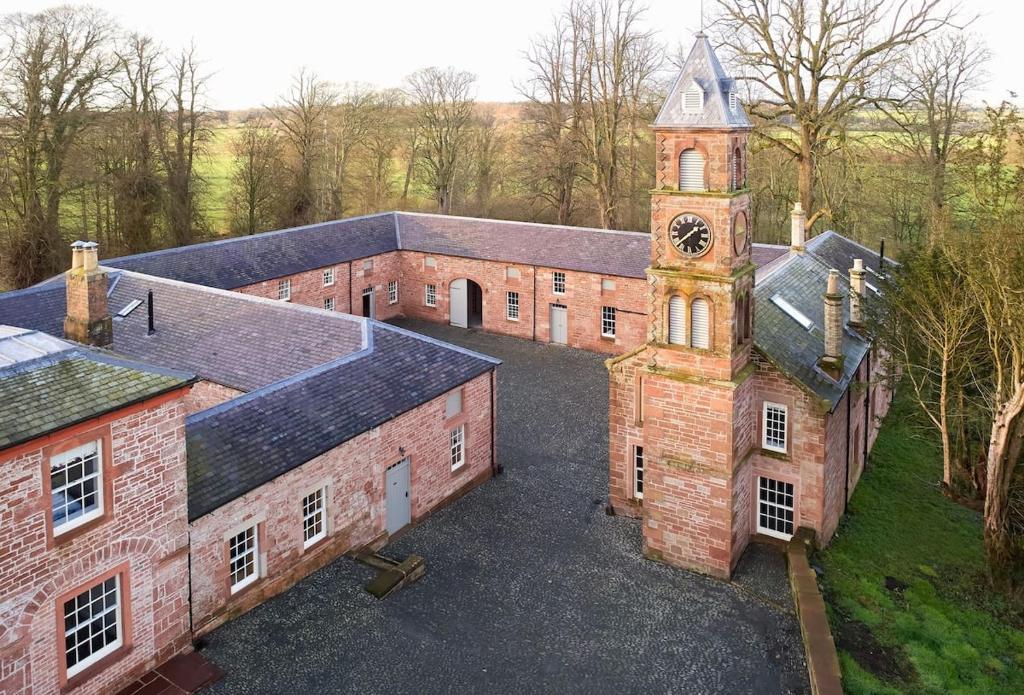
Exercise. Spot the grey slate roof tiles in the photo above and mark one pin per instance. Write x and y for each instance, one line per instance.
(73, 385)
(240, 445)
(801, 281)
(625, 254)
(703, 69)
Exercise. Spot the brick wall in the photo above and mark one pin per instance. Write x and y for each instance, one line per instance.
(206, 394)
(584, 297)
(143, 537)
(354, 475)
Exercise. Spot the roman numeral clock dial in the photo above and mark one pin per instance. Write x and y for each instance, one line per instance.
(690, 234)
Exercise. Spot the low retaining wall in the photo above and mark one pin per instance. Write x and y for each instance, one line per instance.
(819, 648)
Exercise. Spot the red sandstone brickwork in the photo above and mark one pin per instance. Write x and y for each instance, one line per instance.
(206, 394)
(144, 537)
(354, 475)
(625, 430)
(307, 288)
(584, 297)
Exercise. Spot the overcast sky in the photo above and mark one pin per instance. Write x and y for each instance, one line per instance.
(253, 48)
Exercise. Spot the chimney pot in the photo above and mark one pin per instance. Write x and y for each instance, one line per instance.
(857, 286)
(798, 226)
(832, 360)
(87, 320)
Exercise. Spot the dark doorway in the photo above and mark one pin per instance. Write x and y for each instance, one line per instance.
(476, 305)
(368, 304)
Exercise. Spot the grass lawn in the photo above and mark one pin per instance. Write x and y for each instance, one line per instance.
(904, 581)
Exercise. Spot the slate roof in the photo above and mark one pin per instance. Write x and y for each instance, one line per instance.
(240, 445)
(233, 339)
(48, 384)
(624, 254)
(240, 261)
(801, 279)
(763, 254)
(702, 67)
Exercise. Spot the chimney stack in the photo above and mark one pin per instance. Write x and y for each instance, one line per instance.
(832, 360)
(798, 225)
(87, 320)
(857, 293)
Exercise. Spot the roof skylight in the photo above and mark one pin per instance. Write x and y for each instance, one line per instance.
(129, 308)
(793, 312)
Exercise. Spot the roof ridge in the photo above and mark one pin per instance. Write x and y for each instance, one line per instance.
(233, 294)
(275, 386)
(434, 215)
(229, 240)
(436, 341)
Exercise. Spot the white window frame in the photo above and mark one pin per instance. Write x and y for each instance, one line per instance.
(252, 550)
(393, 292)
(284, 290)
(453, 404)
(558, 281)
(770, 443)
(61, 460)
(103, 611)
(457, 450)
(771, 496)
(329, 303)
(314, 513)
(638, 471)
(512, 305)
(328, 277)
(430, 294)
(609, 317)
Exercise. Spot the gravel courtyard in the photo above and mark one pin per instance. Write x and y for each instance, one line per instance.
(530, 586)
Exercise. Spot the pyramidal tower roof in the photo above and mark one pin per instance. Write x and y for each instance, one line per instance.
(699, 97)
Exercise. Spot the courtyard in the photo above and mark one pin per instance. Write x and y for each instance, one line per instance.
(530, 585)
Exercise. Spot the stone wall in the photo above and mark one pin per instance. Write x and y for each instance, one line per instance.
(354, 475)
(142, 537)
(207, 394)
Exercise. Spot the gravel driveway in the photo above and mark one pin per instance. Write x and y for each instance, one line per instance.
(530, 586)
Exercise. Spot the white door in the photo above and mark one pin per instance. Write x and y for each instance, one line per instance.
(559, 324)
(399, 506)
(459, 304)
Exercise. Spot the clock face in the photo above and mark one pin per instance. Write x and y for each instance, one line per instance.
(690, 234)
(740, 233)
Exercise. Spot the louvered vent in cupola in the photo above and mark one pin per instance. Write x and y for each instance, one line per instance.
(693, 99)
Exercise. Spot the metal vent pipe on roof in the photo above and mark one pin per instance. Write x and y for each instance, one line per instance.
(149, 310)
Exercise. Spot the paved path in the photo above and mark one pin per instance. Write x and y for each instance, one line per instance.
(530, 586)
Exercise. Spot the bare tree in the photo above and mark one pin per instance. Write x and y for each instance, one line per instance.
(487, 149)
(256, 178)
(815, 62)
(933, 80)
(444, 103)
(182, 130)
(347, 126)
(554, 94)
(302, 114)
(381, 142)
(619, 56)
(55, 64)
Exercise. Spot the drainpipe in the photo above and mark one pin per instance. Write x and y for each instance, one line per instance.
(534, 304)
(496, 467)
(846, 481)
(867, 406)
(350, 287)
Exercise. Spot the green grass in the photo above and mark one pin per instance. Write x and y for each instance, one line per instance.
(946, 631)
(215, 167)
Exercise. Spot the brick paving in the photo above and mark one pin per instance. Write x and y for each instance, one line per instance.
(530, 586)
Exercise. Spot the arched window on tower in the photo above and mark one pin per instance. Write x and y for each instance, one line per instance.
(737, 170)
(700, 325)
(691, 170)
(676, 321)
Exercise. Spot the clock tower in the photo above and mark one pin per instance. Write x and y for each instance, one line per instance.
(681, 417)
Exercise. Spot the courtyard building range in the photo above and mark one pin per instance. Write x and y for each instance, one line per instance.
(191, 431)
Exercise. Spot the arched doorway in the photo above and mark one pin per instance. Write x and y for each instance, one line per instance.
(467, 304)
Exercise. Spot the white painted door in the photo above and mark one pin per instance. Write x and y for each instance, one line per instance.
(459, 304)
(398, 503)
(559, 324)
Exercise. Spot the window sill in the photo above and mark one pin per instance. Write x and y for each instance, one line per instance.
(239, 589)
(459, 469)
(308, 546)
(90, 671)
(771, 453)
(512, 320)
(61, 537)
(609, 338)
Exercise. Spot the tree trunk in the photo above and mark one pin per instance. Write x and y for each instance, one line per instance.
(1004, 451)
(805, 182)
